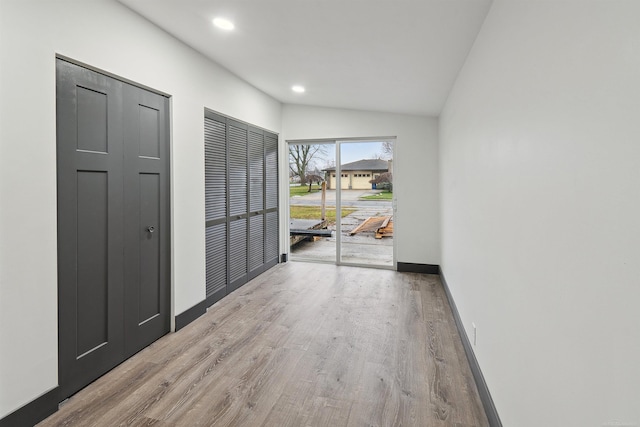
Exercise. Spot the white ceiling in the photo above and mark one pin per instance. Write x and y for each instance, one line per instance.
(386, 55)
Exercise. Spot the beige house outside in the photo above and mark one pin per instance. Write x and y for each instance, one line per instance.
(356, 175)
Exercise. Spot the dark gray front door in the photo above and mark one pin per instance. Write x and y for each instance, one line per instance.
(113, 222)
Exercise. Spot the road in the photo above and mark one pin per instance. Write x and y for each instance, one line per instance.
(350, 198)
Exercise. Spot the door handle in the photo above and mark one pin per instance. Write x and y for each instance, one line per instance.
(151, 229)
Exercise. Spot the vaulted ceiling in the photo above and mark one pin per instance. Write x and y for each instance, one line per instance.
(398, 56)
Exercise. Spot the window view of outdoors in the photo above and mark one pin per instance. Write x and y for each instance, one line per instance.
(366, 192)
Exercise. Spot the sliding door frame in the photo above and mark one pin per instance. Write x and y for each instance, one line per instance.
(336, 142)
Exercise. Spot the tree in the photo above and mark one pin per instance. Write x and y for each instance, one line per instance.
(314, 177)
(387, 148)
(386, 151)
(302, 158)
(384, 180)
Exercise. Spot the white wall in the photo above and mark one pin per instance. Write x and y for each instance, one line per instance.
(106, 35)
(415, 167)
(540, 184)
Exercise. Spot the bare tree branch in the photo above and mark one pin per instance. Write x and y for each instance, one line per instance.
(302, 158)
(387, 148)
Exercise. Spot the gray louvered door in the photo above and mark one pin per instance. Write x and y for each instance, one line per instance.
(215, 136)
(238, 218)
(241, 232)
(256, 203)
(271, 248)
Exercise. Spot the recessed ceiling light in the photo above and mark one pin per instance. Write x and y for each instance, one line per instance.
(297, 88)
(223, 23)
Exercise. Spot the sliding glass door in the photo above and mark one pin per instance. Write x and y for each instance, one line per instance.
(341, 202)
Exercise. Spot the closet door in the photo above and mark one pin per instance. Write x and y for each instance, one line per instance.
(256, 202)
(241, 196)
(237, 137)
(90, 225)
(113, 222)
(272, 248)
(215, 143)
(146, 214)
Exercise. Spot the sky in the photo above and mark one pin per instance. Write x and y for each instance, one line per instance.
(351, 152)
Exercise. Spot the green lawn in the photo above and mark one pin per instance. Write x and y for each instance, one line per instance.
(385, 195)
(301, 190)
(313, 212)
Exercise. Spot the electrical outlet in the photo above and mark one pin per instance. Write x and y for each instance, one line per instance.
(475, 334)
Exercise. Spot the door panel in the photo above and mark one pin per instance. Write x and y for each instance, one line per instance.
(365, 237)
(90, 203)
(237, 171)
(256, 203)
(92, 120)
(271, 247)
(256, 172)
(112, 159)
(150, 139)
(272, 234)
(237, 253)
(150, 257)
(215, 135)
(215, 169)
(93, 261)
(256, 245)
(146, 207)
(271, 167)
(216, 262)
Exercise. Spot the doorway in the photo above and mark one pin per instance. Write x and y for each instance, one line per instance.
(113, 222)
(341, 204)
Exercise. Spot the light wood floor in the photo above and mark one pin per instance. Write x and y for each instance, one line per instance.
(302, 345)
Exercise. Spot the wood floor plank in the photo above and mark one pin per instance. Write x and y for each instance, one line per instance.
(324, 411)
(301, 345)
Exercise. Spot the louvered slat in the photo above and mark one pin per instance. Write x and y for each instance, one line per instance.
(271, 167)
(237, 249)
(216, 258)
(237, 146)
(256, 171)
(256, 242)
(271, 242)
(215, 169)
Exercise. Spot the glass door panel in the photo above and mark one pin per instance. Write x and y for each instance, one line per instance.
(312, 202)
(365, 201)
